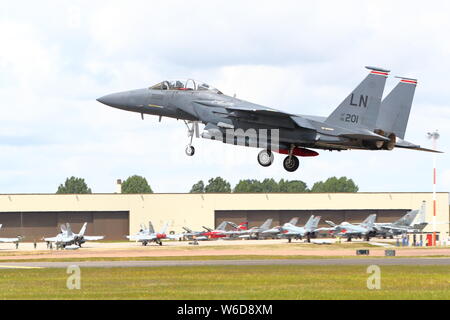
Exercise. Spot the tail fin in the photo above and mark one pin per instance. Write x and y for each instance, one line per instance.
(187, 229)
(267, 224)
(316, 222)
(309, 223)
(361, 107)
(1, 226)
(63, 227)
(243, 226)
(164, 228)
(370, 220)
(294, 221)
(69, 229)
(222, 226)
(150, 227)
(396, 107)
(407, 219)
(420, 219)
(83, 229)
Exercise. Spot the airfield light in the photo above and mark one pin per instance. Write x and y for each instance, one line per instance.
(434, 136)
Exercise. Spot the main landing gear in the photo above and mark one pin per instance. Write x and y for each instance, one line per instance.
(192, 127)
(290, 163)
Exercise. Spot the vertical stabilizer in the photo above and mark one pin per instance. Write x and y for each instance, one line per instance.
(360, 109)
(396, 107)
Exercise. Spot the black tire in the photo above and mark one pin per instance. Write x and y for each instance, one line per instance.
(265, 158)
(190, 151)
(291, 163)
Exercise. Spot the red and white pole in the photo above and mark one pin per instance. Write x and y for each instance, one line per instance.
(434, 136)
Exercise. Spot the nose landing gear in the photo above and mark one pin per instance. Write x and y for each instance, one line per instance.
(192, 127)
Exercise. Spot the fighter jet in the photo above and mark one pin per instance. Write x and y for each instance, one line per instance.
(10, 240)
(275, 231)
(149, 235)
(66, 239)
(413, 221)
(292, 232)
(361, 121)
(252, 233)
(365, 229)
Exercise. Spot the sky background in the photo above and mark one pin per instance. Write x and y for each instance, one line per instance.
(57, 57)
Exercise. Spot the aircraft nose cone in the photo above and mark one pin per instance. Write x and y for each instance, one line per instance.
(112, 100)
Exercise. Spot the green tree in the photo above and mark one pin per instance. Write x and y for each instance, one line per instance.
(334, 184)
(218, 185)
(269, 186)
(136, 184)
(294, 186)
(74, 185)
(199, 187)
(248, 186)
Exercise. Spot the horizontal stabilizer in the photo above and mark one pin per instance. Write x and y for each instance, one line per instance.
(408, 145)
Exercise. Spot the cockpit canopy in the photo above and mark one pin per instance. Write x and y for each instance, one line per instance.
(187, 85)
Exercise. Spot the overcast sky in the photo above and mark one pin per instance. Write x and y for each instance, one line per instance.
(56, 58)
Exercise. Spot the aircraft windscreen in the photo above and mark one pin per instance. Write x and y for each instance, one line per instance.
(185, 85)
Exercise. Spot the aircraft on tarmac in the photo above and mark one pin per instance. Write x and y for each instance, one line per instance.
(252, 233)
(413, 221)
(362, 121)
(220, 232)
(10, 240)
(148, 235)
(66, 239)
(275, 231)
(290, 231)
(365, 229)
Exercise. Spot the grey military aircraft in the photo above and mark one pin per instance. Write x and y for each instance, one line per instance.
(365, 229)
(362, 121)
(413, 221)
(10, 240)
(69, 240)
(308, 230)
(275, 231)
(146, 236)
(252, 233)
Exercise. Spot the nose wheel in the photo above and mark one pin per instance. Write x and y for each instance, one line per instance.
(291, 163)
(265, 158)
(192, 127)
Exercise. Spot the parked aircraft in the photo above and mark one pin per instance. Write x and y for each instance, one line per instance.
(413, 221)
(275, 231)
(292, 232)
(220, 232)
(361, 121)
(252, 233)
(66, 239)
(10, 240)
(366, 229)
(148, 235)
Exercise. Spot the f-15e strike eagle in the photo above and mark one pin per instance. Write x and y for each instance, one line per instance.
(362, 121)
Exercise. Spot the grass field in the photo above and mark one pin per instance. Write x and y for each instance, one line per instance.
(224, 282)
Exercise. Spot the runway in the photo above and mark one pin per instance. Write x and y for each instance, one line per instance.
(198, 263)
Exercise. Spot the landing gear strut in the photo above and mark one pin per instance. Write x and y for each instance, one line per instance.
(192, 130)
(291, 162)
(265, 158)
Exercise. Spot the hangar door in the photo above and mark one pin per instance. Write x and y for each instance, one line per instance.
(34, 226)
(280, 217)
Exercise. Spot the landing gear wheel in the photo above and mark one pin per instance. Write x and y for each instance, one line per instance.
(190, 151)
(265, 158)
(291, 163)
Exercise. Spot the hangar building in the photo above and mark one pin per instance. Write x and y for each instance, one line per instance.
(117, 215)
